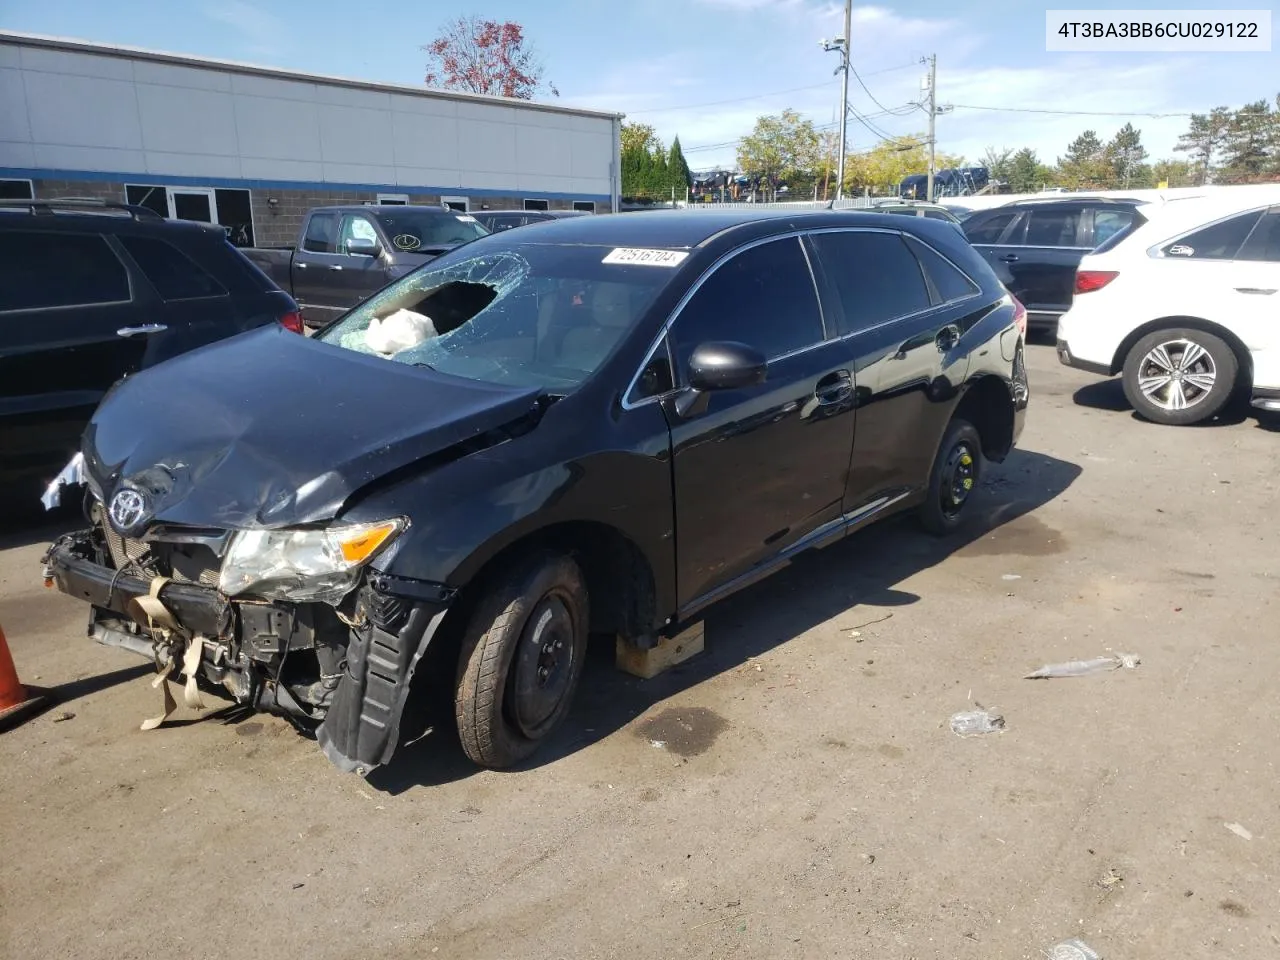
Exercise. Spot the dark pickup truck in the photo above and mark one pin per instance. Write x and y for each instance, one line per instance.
(344, 254)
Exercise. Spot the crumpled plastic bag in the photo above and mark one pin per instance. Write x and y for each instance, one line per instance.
(398, 331)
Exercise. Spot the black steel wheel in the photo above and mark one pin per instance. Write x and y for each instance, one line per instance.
(957, 469)
(521, 659)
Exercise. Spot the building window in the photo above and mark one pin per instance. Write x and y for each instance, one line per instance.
(536, 205)
(394, 199)
(584, 206)
(16, 190)
(230, 208)
(459, 204)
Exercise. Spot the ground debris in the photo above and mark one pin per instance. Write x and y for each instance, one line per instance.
(1073, 950)
(1084, 668)
(973, 723)
(64, 716)
(1239, 831)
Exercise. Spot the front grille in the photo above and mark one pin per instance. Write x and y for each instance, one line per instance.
(183, 562)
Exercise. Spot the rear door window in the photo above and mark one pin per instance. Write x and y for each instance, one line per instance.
(322, 233)
(990, 229)
(1053, 227)
(1218, 241)
(763, 297)
(41, 270)
(877, 279)
(174, 275)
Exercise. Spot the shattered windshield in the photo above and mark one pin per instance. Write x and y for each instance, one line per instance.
(524, 314)
(411, 229)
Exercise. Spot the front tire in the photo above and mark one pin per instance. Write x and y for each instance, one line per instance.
(957, 468)
(1179, 376)
(521, 659)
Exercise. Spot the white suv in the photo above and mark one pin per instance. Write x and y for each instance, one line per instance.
(1186, 305)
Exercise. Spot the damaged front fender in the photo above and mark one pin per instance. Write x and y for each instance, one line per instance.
(398, 621)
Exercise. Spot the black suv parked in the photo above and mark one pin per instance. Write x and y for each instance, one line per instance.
(616, 422)
(1041, 242)
(92, 291)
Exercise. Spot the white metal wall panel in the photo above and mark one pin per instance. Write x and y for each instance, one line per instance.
(105, 114)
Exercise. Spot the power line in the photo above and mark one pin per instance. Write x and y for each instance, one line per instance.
(757, 96)
(1068, 113)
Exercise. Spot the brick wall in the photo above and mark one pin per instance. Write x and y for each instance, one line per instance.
(277, 225)
(64, 189)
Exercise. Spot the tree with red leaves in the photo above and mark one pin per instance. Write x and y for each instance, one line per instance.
(485, 56)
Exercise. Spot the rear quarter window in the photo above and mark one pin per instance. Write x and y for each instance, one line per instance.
(174, 275)
(949, 281)
(1218, 241)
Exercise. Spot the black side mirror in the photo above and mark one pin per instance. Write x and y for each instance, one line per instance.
(719, 365)
(726, 365)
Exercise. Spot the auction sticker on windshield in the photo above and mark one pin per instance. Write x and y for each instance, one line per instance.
(649, 258)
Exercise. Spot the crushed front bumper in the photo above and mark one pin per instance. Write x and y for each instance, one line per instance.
(347, 675)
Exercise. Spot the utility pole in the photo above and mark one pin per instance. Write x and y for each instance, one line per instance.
(933, 115)
(933, 109)
(842, 45)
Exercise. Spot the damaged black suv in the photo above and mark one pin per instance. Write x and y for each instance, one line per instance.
(598, 425)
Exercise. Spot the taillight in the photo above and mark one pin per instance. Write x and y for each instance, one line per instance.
(1089, 280)
(1019, 314)
(292, 321)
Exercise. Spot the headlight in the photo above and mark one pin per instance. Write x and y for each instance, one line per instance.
(320, 564)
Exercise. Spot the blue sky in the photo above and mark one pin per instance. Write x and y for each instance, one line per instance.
(704, 69)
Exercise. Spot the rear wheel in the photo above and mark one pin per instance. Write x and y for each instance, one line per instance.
(1179, 376)
(957, 468)
(521, 659)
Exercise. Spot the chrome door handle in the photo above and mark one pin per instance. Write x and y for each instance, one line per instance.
(145, 328)
(335, 266)
(839, 388)
(1009, 258)
(301, 266)
(1260, 290)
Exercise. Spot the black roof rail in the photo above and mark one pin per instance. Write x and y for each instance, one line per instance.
(50, 207)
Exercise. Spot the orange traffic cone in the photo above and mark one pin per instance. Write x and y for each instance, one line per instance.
(16, 701)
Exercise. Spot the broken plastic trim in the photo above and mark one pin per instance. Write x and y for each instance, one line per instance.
(362, 728)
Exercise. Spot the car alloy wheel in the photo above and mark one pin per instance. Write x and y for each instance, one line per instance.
(1177, 374)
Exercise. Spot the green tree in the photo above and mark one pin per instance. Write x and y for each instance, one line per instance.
(999, 163)
(638, 136)
(883, 167)
(1249, 144)
(784, 146)
(1027, 174)
(1083, 166)
(1124, 156)
(1176, 173)
(1203, 139)
(678, 172)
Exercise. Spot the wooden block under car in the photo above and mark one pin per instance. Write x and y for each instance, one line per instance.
(670, 651)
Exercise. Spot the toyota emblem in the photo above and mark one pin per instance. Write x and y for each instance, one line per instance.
(127, 510)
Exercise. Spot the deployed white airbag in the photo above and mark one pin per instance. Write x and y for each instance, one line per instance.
(398, 331)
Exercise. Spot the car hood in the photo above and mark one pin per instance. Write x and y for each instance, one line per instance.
(269, 429)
